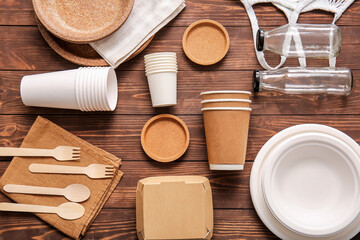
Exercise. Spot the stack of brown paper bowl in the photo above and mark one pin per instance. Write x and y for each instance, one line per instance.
(226, 120)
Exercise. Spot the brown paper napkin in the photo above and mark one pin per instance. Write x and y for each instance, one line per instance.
(45, 134)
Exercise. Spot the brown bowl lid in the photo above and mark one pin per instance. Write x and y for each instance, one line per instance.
(81, 54)
(82, 21)
(165, 138)
(206, 42)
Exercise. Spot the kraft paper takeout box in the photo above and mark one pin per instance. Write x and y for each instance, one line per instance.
(176, 207)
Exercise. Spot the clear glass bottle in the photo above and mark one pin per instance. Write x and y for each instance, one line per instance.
(317, 40)
(297, 80)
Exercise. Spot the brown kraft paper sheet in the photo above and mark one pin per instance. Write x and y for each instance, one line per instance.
(45, 134)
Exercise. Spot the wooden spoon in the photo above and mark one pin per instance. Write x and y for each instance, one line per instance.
(68, 211)
(73, 192)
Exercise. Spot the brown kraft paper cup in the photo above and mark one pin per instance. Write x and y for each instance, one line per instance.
(226, 104)
(226, 131)
(226, 95)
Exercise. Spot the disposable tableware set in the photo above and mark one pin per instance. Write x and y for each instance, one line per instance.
(305, 181)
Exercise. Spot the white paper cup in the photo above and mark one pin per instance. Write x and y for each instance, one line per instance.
(167, 64)
(100, 92)
(99, 89)
(111, 89)
(54, 90)
(84, 77)
(160, 54)
(161, 66)
(85, 89)
(161, 61)
(90, 90)
(148, 59)
(160, 69)
(162, 87)
(78, 84)
(95, 84)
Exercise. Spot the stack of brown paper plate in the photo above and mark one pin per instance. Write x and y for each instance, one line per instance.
(82, 21)
(69, 26)
(81, 54)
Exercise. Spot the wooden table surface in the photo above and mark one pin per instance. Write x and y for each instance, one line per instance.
(23, 52)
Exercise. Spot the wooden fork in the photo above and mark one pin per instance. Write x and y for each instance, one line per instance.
(92, 171)
(60, 153)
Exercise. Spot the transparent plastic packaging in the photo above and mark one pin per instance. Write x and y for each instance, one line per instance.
(298, 80)
(303, 40)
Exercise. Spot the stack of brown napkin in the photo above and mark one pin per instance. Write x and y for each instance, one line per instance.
(45, 134)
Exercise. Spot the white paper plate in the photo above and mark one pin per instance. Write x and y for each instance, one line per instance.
(311, 184)
(256, 177)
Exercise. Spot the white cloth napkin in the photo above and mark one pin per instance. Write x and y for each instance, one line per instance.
(146, 18)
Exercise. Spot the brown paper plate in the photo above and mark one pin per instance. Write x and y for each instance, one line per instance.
(82, 21)
(81, 54)
(165, 138)
(206, 42)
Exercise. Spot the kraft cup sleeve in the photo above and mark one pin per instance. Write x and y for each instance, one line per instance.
(226, 135)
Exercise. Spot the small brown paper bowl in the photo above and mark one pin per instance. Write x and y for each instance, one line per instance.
(206, 42)
(225, 94)
(165, 138)
(226, 130)
(226, 103)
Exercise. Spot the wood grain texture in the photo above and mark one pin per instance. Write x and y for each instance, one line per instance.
(23, 48)
(228, 12)
(134, 96)
(24, 52)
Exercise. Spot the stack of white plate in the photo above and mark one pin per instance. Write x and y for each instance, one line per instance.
(305, 184)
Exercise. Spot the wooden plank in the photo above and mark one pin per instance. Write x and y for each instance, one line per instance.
(23, 48)
(120, 134)
(15, 17)
(120, 224)
(134, 96)
(228, 12)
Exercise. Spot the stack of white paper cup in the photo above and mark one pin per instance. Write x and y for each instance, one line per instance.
(85, 89)
(161, 72)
